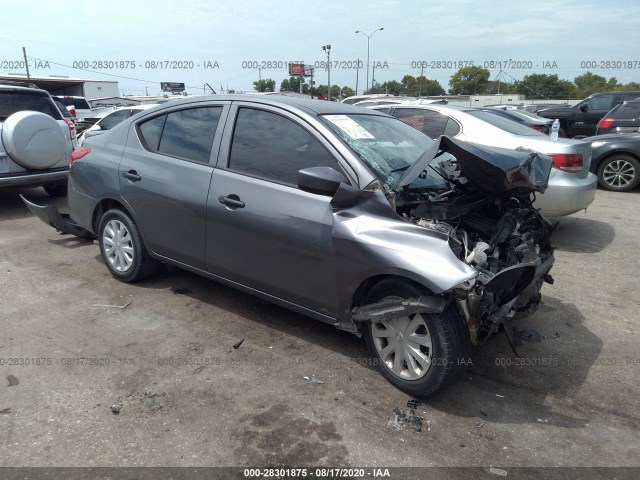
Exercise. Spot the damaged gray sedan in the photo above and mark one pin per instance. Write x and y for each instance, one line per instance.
(345, 215)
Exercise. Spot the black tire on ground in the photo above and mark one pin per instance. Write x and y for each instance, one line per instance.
(450, 343)
(122, 248)
(56, 189)
(619, 173)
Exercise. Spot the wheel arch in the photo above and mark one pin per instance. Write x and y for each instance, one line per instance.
(103, 206)
(611, 153)
(360, 294)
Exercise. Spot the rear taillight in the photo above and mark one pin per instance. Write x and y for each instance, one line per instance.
(538, 127)
(568, 162)
(72, 127)
(605, 123)
(79, 153)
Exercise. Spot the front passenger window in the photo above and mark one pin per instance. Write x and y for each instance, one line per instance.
(269, 146)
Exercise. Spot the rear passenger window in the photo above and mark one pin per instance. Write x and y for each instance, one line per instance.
(185, 133)
(628, 111)
(272, 147)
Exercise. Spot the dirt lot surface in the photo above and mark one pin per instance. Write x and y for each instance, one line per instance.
(188, 398)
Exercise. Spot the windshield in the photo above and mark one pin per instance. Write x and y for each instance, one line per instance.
(505, 124)
(12, 102)
(386, 145)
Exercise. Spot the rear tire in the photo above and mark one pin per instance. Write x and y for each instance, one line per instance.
(122, 248)
(421, 354)
(619, 173)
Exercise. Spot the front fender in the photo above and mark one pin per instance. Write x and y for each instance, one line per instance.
(367, 245)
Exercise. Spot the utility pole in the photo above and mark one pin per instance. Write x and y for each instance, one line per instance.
(357, 71)
(368, 37)
(327, 48)
(26, 62)
(421, 74)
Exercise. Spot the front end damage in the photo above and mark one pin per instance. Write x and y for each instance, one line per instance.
(487, 218)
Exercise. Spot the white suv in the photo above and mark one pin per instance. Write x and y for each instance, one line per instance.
(35, 149)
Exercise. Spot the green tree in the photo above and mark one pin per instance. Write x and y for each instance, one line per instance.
(629, 86)
(495, 87)
(426, 87)
(469, 81)
(347, 92)
(541, 85)
(292, 84)
(391, 87)
(589, 83)
(265, 85)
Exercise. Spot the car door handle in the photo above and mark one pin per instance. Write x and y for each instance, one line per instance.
(132, 175)
(232, 201)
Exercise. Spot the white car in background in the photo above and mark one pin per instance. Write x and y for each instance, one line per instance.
(571, 186)
(113, 118)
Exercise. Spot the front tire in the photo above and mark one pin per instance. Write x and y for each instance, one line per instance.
(619, 173)
(122, 248)
(420, 354)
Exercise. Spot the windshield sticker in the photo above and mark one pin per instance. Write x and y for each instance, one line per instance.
(349, 126)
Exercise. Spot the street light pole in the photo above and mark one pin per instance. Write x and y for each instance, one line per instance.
(327, 48)
(368, 37)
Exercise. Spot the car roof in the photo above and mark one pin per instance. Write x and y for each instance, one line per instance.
(20, 88)
(320, 107)
(427, 106)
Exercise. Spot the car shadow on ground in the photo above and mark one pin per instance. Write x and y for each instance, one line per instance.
(501, 387)
(180, 282)
(582, 235)
(505, 387)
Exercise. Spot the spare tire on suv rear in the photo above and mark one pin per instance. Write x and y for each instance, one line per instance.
(33, 140)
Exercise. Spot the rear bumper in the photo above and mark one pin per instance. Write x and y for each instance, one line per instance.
(52, 217)
(567, 194)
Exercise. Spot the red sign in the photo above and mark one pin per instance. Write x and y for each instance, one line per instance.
(296, 69)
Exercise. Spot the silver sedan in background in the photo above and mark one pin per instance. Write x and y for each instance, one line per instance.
(571, 186)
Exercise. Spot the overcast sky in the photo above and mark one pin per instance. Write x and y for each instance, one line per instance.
(233, 37)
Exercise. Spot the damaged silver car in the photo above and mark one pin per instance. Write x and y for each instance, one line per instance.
(348, 216)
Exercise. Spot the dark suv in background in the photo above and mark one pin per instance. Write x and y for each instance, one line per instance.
(623, 118)
(35, 150)
(581, 120)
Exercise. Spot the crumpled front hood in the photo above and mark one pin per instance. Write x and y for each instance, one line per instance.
(489, 169)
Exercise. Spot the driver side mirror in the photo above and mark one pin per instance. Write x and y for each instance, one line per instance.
(584, 108)
(320, 180)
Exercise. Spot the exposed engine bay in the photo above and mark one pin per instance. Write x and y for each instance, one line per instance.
(494, 229)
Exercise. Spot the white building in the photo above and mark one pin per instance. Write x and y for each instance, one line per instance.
(61, 85)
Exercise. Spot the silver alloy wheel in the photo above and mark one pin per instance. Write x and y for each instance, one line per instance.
(404, 345)
(118, 246)
(619, 173)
